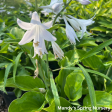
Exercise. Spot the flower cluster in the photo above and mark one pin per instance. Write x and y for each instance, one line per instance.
(37, 31)
(76, 24)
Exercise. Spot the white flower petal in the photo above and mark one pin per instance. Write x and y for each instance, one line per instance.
(39, 47)
(57, 7)
(74, 24)
(35, 18)
(43, 33)
(48, 24)
(70, 32)
(57, 50)
(83, 23)
(24, 25)
(83, 30)
(46, 11)
(28, 36)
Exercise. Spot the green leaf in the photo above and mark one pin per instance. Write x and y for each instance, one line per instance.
(51, 57)
(103, 99)
(17, 92)
(109, 74)
(97, 49)
(91, 71)
(4, 49)
(16, 64)
(72, 56)
(73, 86)
(25, 83)
(12, 36)
(109, 88)
(90, 87)
(23, 71)
(98, 73)
(29, 102)
(92, 62)
(55, 93)
(99, 28)
(18, 33)
(7, 73)
(61, 78)
(27, 47)
(2, 72)
(64, 103)
(3, 64)
(49, 96)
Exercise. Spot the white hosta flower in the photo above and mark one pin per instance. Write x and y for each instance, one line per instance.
(39, 48)
(37, 32)
(57, 50)
(83, 23)
(74, 24)
(55, 7)
(1, 41)
(70, 32)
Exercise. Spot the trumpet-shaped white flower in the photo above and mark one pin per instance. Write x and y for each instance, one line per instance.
(70, 32)
(82, 23)
(57, 50)
(37, 32)
(55, 8)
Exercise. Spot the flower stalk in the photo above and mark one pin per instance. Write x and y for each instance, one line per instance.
(47, 62)
(36, 7)
(61, 11)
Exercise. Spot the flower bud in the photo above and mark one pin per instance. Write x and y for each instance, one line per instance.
(57, 7)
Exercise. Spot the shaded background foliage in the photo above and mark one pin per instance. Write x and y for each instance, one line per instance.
(71, 83)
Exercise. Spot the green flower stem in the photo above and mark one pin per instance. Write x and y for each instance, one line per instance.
(61, 11)
(42, 73)
(48, 42)
(47, 62)
(36, 7)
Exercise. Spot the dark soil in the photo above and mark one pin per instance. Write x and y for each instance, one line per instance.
(3, 106)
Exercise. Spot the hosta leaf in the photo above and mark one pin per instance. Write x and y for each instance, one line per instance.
(29, 102)
(103, 99)
(73, 86)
